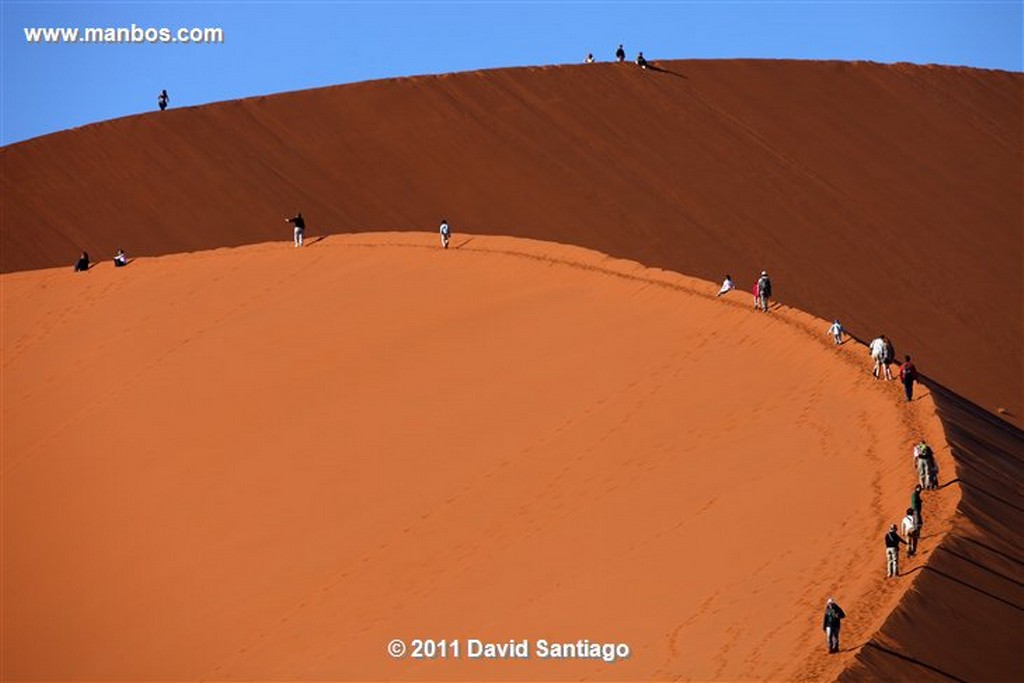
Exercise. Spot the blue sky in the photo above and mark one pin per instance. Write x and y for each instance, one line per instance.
(277, 46)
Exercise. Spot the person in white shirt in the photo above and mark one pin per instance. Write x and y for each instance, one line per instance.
(877, 351)
(120, 260)
(446, 233)
(911, 531)
(727, 285)
(837, 332)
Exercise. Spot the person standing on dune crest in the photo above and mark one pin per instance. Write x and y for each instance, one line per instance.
(300, 227)
(162, 99)
(892, 552)
(620, 55)
(837, 332)
(446, 233)
(764, 291)
(922, 456)
(908, 375)
(834, 615)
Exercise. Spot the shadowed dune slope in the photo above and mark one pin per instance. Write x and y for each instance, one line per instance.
(266, 463)
(887, 196)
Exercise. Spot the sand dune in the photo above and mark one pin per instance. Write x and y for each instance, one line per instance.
(265, 463)
(871, 191)
(889, 196)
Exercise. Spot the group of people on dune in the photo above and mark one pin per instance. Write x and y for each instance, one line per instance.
(620, 56)
(883, 354)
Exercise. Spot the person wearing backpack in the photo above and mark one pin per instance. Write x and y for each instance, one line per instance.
(922, 454)
(908, 375)
(888, 357)
(911, 531)
(834, 615)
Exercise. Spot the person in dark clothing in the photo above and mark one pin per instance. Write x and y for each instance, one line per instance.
(892, 552)
(834, 615)
(888, 357)
(82, 264)
(932, 469)
(162, 99)
(300, 227)
(915, 505)
(908, 375)
(641, 61)
(620, 55)
(120, 260)
(911, 531)
(764, 291)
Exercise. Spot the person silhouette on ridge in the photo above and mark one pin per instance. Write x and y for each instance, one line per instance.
(162, 99)
(620, 54)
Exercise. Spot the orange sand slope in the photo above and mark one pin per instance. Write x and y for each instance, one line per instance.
(267, 463)
(889, 196)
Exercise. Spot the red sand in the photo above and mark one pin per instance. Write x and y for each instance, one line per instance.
(891, 197)
(828, 174)
(266, 463)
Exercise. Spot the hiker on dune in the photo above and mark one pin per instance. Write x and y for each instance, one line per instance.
(876, 349)
(120, 260)
(446, 233)
(162, 99)
(892, 552)
(620, 55)
(590, 58)
(922, 454)
(764, 291)
(300, 227)
(834, 615)
(836, 330)
(908, 375)
(640, 61)
(911, 531)
(727, 285)
(82, 264)
(888, 357)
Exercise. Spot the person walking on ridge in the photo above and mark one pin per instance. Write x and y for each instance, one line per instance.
(892, 552)
(922, 455)
(162, 100)
(764, 291)
(915, 505)
(620, 55)
(446, 233)
(876, 349)
(836, 330)
(911, 531)
(908, 375)
(300, 227)
(834, 615)
(888, 357)
(727, 285)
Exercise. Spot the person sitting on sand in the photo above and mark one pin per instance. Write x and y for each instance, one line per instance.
(892, 552)
(831, 623)
(640, 61)
(446, 233)
(162, 99)
(82, 264)
(727, 285)
(120, 260)
(590, 58)
(836, 330)
(300, 227)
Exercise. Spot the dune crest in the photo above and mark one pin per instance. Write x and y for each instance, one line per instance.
(510, 439)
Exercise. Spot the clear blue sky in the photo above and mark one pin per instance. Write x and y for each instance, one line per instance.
(277, 46)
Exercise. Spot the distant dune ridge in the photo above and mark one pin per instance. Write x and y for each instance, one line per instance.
(891, 197)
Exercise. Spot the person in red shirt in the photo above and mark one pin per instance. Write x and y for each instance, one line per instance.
(908, 375)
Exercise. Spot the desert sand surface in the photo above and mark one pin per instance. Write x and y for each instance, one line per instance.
(886, 195)
(265, 463)
(890, 196)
